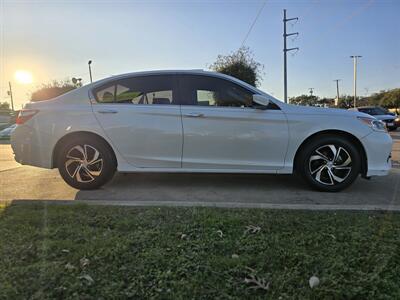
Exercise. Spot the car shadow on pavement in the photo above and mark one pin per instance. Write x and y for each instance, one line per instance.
(194, 187)
(239, 188)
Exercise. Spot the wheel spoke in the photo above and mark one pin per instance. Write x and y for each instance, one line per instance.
(334, 151)
(85, 171)
(95, 155)
(93, 172)
(95, 162)
(321, 154)
(88, 160)
(77, 170)
(68, 167)
(318, 175)
(74, 157)
(72, 160)
(341, 168)
(80, 150)
(318, 157)
(322, 164)
(330, 174)
(318, 169)
(337, 178)
(346, 163)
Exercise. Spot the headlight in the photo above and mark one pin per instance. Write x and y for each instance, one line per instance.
(397, 120)
(375, 124)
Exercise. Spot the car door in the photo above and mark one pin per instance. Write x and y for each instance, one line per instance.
(141, 118)
(222, 130)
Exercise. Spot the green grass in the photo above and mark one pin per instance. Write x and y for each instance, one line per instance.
(97, 252)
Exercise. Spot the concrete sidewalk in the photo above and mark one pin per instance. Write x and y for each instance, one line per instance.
(233, 205)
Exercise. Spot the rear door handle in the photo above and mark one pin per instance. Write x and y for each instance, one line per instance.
(194, 115)
(107, 111)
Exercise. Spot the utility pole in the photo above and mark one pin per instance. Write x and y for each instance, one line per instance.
(11, 96)
(337, 91)
(90, 70)
(355, 57)
(311, 91)
(285, 50)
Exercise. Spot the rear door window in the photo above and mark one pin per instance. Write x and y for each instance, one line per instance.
(139, 90)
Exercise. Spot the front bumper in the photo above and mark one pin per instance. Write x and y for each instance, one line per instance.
(378, 147)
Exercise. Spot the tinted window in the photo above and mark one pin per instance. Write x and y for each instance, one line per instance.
(373, 111)
(105, 94)
(212, 91)
(138, 90)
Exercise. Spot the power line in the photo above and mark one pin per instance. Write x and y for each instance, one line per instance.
(348, 18)
(254, 22)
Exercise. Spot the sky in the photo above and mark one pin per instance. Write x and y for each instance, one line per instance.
(55, 39)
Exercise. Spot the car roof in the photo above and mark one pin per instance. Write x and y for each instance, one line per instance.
(177, 72)
(368, 107)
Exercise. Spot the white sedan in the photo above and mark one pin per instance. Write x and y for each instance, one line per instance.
(195, 121)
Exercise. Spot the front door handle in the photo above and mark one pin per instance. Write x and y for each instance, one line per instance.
(107, 111)
(194, 115)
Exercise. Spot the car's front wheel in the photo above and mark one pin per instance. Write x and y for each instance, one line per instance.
(330, 163)
(86, 163)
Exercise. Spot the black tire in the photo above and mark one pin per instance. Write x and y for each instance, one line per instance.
(94, 172)
(321, 171)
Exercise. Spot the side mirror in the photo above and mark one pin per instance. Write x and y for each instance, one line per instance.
(263, 101)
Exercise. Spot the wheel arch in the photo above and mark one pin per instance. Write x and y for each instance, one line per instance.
(345, 134)
(74, 134)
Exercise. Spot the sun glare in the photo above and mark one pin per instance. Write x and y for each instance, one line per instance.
(24, 77)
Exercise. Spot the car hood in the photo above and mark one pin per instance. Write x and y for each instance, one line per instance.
(312, 110)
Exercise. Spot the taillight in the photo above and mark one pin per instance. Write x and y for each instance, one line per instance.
(25, 115)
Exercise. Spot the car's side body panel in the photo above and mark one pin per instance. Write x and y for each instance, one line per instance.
(34, 142)
(232, 140)
(306, 122)
(147, 136)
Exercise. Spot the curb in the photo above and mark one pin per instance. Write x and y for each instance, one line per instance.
(316, 207)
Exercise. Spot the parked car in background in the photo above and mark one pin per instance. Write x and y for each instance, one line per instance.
(196, 121)
(5, 134)
(5, 119)
(390, 119)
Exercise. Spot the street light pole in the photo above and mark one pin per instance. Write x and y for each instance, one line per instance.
(11, 96)
(90, 71)
(355, 57)
(337, 92)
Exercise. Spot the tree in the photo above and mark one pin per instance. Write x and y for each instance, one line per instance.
(240, 64)
(54, 89)
(304, 100)
(327, 102)
(4, 106)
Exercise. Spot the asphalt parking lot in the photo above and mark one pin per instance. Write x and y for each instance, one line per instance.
(23, 182)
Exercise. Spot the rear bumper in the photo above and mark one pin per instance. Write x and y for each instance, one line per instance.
(378, 147)
(29, 148)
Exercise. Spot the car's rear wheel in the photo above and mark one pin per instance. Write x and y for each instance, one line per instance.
(329, 163)
(86, 163)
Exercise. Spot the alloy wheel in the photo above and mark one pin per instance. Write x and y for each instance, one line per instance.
(330, 164)
(84, 163)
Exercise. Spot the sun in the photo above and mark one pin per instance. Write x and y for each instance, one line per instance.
(24, 77)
